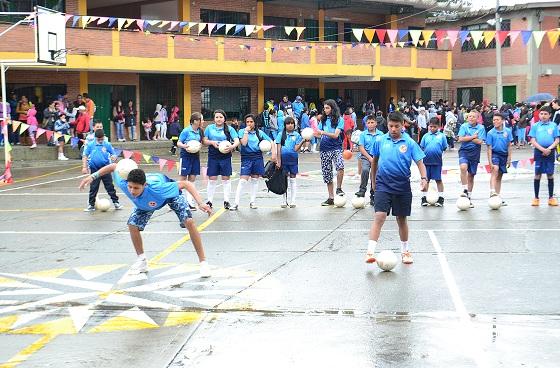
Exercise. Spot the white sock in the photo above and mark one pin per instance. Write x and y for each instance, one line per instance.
(211, 189)
(227, 189)
(440, 194)
(469, 194)
(142, 256)
(292, 186)
(404, 246)
(371, 246)
(203, 263)
(239, 191)
(254, 189)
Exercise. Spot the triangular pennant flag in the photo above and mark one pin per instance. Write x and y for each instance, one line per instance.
(67, 16)
(553, 37)
(162, 163)
(440, 37)
(402, 34)
(153, 22)
(182, 24)
(49, 134)
(67, 138)
(15, 125)
(381, 35)
(164, 23)
(93, 20)
(538, 36)
(513, 36)
(531, 161)
(427, 36)
(289, 30)
(358, 32)
(173, 25)
(112, 21)
(170, 165)
(117, 152)
(191, 24)
(272, 49)
(120, 23)
(489, 37)
(40, 132)
(137, 156)
(147, 158)
(452, 37)
(220, 26)
(477, 37)
(238, 28)
(501, 36)
(155, 159)
(23, 128)
(57, 135)
(291, 48)
(299, 31)
(257, 29)
(127, 154)
(401, 44)
(525, 36)
(201, 27)
(463, 36)
(85, 21)
(415, 36)
(369, 34)
(514, 164)
(266, 28)
(229, 27)
(140, 24)
(393, 35)
(249, 29)
(75, 20)
(354, 44)
(102, 20)
(211, 27)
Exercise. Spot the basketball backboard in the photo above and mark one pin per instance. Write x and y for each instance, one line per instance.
(50, 26)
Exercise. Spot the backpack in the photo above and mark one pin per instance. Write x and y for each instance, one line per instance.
(278, 182)
(269, 169)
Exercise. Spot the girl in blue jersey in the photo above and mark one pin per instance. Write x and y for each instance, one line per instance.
(219, 164)
(330, 131)
(190, 162)
(252, 165)
(288, 143)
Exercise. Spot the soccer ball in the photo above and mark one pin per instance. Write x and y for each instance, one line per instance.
(307, 133)
(432, 197)
(495, 202)
(463, 203)
(386, 260)
(340, 200)
(355, 137)
(265, 146)
(224, 146)
(193, 146)
(103, 204)
(125, 166)
(358, 202)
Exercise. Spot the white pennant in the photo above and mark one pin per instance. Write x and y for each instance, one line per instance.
(358, 32)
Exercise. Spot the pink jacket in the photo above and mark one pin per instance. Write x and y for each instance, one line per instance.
(31, 119)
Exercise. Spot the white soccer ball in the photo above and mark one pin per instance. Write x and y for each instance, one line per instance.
(193, 146)
(463, 203)
(340, 200)
(224, 146)
(386, 260)
(103, 204)
(495, 202)
(265, 146)
(432, 197)
(358, 202)
(355, 137)
(307, 133)
(125, 166)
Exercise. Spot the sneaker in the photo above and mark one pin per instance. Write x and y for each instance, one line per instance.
(372, 201)
(118, 206)
(339, 192)
(471, 205)
(328, 202)
(360, 194)
(227, 206)
(370, 258)
(293, 205)
(205, 270)
(553, 202)
(253, 206)
(504, 203)
(493, 194)
(33, 146)
(439, 202)
(140, 266)
(465, 193)
(284, 205)
(193, 208)
(63, 158)
(535, 202)
(89, 208)
(209, 204)
(424, 202)
(233, 208)
(407, 258)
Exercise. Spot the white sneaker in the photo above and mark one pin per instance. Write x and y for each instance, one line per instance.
(140, 266)
(33, 146)
(63, 158)
(205, 269)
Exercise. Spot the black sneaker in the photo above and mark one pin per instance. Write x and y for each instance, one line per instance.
(328, 202)
(209, 204)
(372, 200)
(360, 194)
(193, 208)
(439, 202)
(339, 192)
(425, 202)
(233, 208)
(227, 206)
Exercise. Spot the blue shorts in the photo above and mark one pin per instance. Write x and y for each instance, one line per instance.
(252, 166)
(140, 218)
(218, 166)
(500, 159)
(190, 165)
(290, 168)
(471, 159)
(544, 164)
(399, 204)
(433, 172)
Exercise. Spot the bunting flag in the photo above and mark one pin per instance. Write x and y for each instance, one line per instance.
(85, 21)
(163, 23)
(220, 26)
(369, 34)
(170, 165)
(211, 27)
(23, 128)
(201, 27)
(49, 134)
(40, 132)
(153, 22)
(117, 151)
(67, 16)
(358, 32)
(155, 159)
(137, 156)
(463, 36)
(238, 28)
(15, 125)
(147, 158)
(427, 36)
(249, 29)
(392, 35)
(120, 23)
(229, 27)
(266, 28)
(440, 37)
(501, 36)
(525, 36)
(513, 36)
(402, 34)
(381, 35)
(553, 37)
(92, 20)
(67, 138)
(162, 162)
(102, 20)
(299, 31)
(127, 154)
(112, 21)
(415, 36)
(289, 30)
(75, 20)
(452, 37)
(74, 142)
(538, 37)
(489, 37)
(477, 37)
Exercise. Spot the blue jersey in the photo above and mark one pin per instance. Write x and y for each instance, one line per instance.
(158, 189)
(188, 134)
(544, 133)
(395, 158)
(289, 154)
(328, 143)
(467, 130)
(252, 148)
(367, 140)
(99, 154)
(499, 140)
(433, 145)
(213, 133)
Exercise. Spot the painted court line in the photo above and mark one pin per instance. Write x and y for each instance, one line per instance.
(47, 174)
(43, 183)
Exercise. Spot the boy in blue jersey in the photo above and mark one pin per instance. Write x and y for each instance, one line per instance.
(98, 154)
(365, 144)
(150, 193)
(393, 154)
(434, 143)
(499, 141)
(544, 138)
(471, 136)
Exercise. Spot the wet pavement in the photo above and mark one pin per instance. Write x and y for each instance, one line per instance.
(289, 286)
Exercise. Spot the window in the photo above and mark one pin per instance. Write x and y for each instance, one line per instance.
(225, 17)
(468, 94)
(311, 32)
(331, 31)
(235, 101)
(469, 45)
(278, 31)
(426, 94)
(27, 5)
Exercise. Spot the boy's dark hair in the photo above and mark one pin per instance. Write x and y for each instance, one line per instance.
(546, 109)
(371, 117)
(99, 133)
(434, 121)
(396, 117)
(499, 114)
(136, 176)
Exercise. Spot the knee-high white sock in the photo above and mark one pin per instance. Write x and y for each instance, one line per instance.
(254, 189)
(227, 189)
(211, 189)
(240, 188)
(292, 183)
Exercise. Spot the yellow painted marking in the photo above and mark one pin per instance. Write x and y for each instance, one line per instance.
(184, 239)
(61, 326)
(181, 318)
(106, 294)
(22, 356)
(121, 323)
(49, 174)
(7, 322)
(44, 210)
(48, 273)
(3, 279)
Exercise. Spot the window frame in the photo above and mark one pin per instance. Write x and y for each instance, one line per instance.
(243, 101)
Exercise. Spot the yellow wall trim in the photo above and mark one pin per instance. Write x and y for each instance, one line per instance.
(84, 81)
(82, 7)
(321, 24)
(116, 43)
(260, 17)
(187, 98)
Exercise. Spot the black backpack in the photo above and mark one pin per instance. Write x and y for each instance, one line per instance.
(278, 182)
(269, 169)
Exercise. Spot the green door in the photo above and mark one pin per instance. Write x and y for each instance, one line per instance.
(331, 93)
(101, 95)
(510, 94)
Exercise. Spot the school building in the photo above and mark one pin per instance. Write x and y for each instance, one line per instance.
(228, 69)
(526, 69)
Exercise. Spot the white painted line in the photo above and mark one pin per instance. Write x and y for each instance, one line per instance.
(43, 183)
(469, 336)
